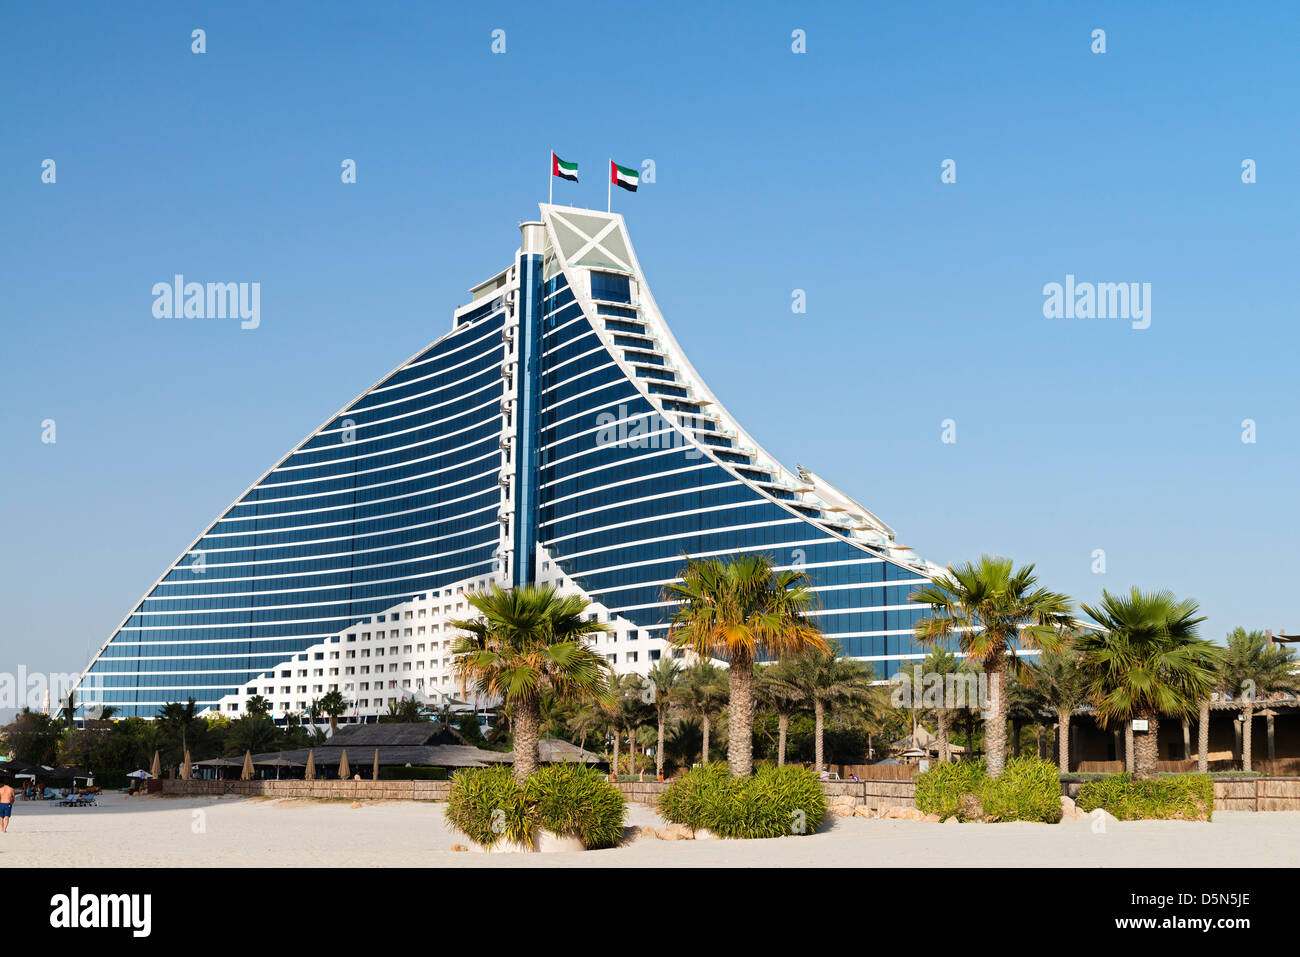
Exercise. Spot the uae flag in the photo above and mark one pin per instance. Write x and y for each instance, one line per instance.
(622, 176)
(563, 170)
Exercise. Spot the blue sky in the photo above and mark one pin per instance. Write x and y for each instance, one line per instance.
(775, 171)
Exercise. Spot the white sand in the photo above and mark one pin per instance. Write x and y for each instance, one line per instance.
(241, 832)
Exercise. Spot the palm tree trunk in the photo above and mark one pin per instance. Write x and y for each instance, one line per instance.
(1146, 749)
(995, 723)
(527, 721)
(942, 720)
(1130, 758)
(819, 728)
(1063, 748)
(740, 711)
(615, 767)
(1246, 735)
(631, 750)
(1203, 738)
(704, 752)
(782, 729)
(659, 750)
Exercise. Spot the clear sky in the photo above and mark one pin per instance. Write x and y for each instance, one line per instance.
(775, 171)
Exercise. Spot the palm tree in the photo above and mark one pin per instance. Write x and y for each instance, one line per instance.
(662, 678)
(824, 679)
(942, 663)
(177, 718)
(588, 719)
(333, 704)
(529, 641)
(69, 710)
(739, 611)
(632, 710)
(773, 687)
(1058, 678)
(701, 693)
(987, 607)
(1252, 668)
(1147, 661)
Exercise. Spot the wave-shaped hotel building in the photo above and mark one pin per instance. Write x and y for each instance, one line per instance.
(556, 434)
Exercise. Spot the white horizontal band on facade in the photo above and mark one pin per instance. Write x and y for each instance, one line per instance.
(492, 440)
(632, 395)
(376, 501)
(493, 334)
(492, 403)
(382, 516)
(492, 389)
(368, 584)
(486, 353)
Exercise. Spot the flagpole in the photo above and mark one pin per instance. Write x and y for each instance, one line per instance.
(550, 181)
(609, 193)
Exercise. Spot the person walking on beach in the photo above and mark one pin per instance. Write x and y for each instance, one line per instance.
(6, 806)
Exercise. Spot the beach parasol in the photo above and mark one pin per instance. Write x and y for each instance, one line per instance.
(310, 773)
(344, 770)
(185, 767)
(156, 770)
(374, 771)
(247, 773)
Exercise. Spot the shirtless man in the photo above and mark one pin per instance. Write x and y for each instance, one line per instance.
(6, 806)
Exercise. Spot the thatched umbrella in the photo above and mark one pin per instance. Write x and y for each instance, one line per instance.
(344, 770)
(310, 772)
(374, 771)
(185, 768)
(247, 773)
(156, 770)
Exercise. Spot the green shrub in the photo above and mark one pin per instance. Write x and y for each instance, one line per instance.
(1172, 797)
(939, 790)
(1029, 789)
(575, 801)
(488, 804)
(773, 802)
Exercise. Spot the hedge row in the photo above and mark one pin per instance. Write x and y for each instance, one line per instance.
(773, 802)
(1169, 797)
(1029, 789)
(489, 805)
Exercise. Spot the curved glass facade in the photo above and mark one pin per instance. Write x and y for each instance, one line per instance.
(558, 424)
(395, 495)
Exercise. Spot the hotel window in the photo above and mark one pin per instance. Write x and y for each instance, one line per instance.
(632, 635)
(610, 287)
(631, 657)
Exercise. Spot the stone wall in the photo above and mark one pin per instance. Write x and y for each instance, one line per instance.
(1230, 794)
(327, 790)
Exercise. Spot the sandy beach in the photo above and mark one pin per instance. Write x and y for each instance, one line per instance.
(243, 832)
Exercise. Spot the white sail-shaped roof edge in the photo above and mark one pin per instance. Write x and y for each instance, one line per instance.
(609, 249)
